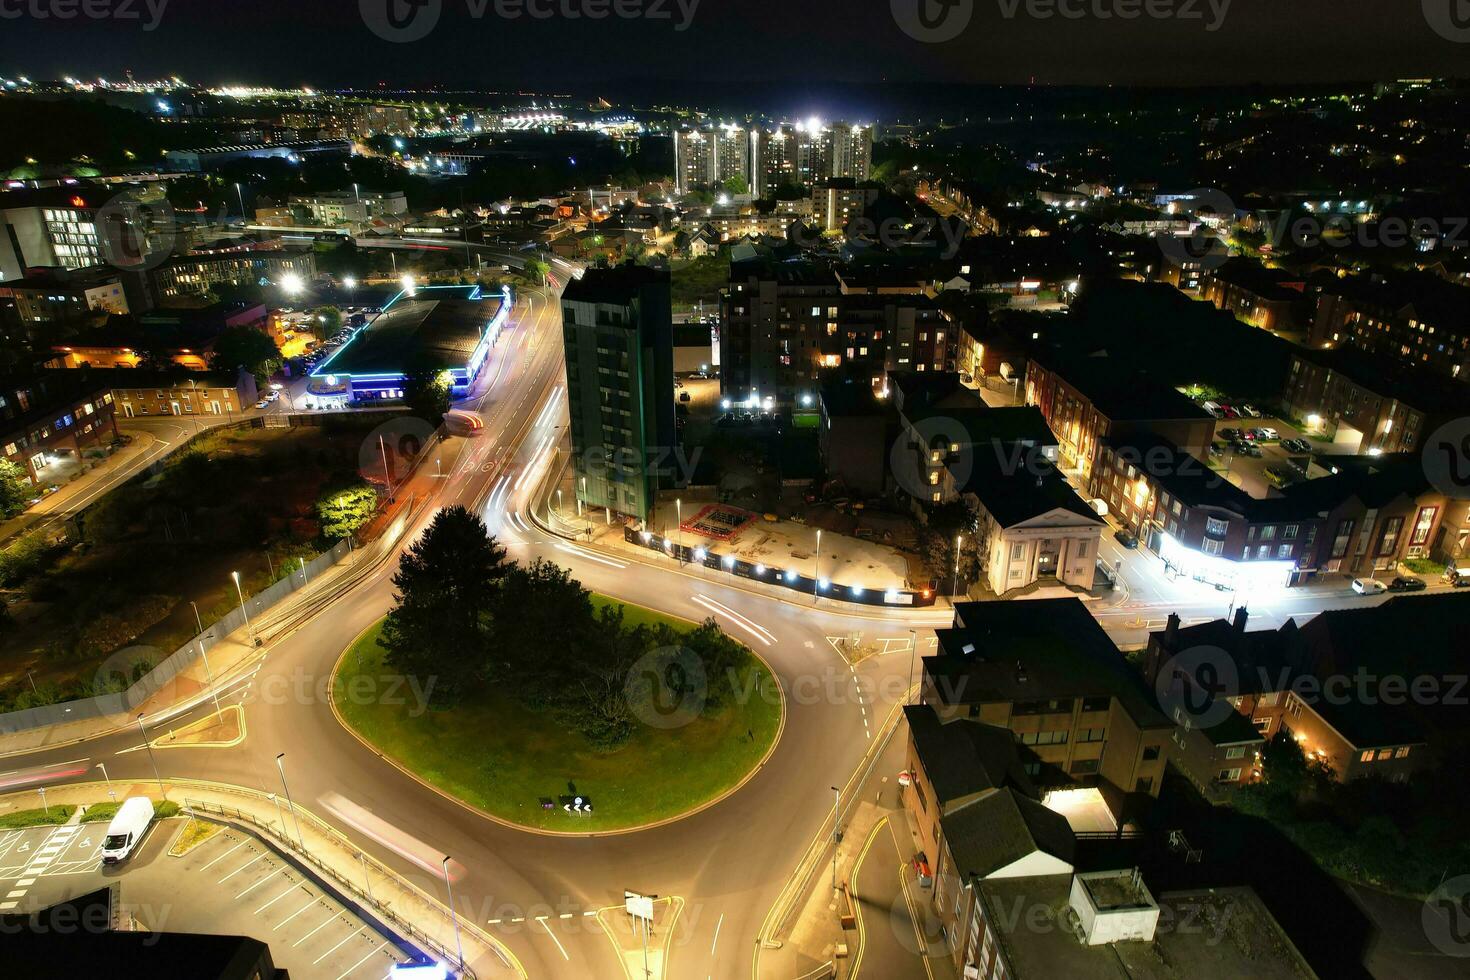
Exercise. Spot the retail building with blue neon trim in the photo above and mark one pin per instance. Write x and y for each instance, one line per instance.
(446, 328)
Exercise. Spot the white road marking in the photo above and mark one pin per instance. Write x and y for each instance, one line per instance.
(334, 949)
(329, 920)
(281, 870)
(360, 962)
(542, 919)
(278, 898)
(258, 857)
(223, 856)
(294, 914)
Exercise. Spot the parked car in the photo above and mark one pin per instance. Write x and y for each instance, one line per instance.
(272, 395)
(1126, 538)
(1296, 445)
(1230, 412)
(1368, 586)
(1406, 583)
(1213, 409)
(1250, 410)
(126, 829)
(1266, 432)
(1457, 574)
(1231, 434)
(262, 404)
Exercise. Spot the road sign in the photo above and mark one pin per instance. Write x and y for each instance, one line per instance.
(639, 906)
(576, 804)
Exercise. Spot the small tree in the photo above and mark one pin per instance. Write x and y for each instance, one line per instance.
(426, 391)
(15, 488)
(342, 512)
(248, 348)
(537, 269)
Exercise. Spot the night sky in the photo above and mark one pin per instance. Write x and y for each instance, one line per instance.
(809, 43)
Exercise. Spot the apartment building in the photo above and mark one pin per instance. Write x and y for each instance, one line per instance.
(618, 334)
(809, 152)
(52, 414)
(1344, 685)
(710, 157)
(1267, 298)
(140, 393)
(1415, 319)
(1047, 672)
(838, 200)
(54, 302)
(1366, 404)
(1088, 399)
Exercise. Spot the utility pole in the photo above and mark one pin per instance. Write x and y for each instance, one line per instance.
(289, 804)
(836, 834)
(149, 746)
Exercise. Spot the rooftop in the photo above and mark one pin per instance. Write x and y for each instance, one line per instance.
(962, 757)
(1119, 390)
(1002, 828)
(441, 325)
(1038, 649)
(616, 285)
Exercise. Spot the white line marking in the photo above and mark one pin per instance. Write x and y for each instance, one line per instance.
(542, 919)
(258, 857)
(294, 914)
(351, 935)
(223, 856)
(329, 919)
(281, 870)
(360, 962)
(278, 898)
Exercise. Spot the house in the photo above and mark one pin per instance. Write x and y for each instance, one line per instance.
(1268, 298)
(1035, 527)
(1091, 733)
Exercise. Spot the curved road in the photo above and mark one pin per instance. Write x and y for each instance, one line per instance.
(729, 862)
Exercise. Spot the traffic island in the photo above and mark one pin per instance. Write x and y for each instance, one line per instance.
(642, 933)
(521, 766)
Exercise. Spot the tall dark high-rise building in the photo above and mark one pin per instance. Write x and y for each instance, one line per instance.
(618, 332)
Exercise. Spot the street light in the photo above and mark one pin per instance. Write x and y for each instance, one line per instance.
(836, 836)
(817, 570)
(679, 521)
(350, 283)
(913, 653)
(239, 592)
(149, 746)
(453, 916)
(111, 795)
(208, 671)
(241, 195)
(281, 766)
(954, 588)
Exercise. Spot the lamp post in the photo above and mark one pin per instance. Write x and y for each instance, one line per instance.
(954, 587)
(110, 794)
(151, 759)
(240, 592)
(208, 671)
(679, 522)
(453, 916)
(280, 817)
(913, 655)
(817, 570)
(241, 195)
(44, 805)
(32, 678)
(836, 835)
(281, 766)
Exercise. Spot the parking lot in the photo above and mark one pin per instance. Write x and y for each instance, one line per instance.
(232, 884)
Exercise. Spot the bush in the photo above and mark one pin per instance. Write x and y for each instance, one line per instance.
(39, 817)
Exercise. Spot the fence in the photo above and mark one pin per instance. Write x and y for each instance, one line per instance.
(281, 840)
(122, 704)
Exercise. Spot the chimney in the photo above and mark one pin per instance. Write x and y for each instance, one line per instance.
(1171, 631)
(1241, 615)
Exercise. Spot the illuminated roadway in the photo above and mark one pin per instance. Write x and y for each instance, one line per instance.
(728, 862)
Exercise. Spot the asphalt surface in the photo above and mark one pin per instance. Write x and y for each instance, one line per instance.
(728, 862)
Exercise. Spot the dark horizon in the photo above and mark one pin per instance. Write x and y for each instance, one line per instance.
(330, 44)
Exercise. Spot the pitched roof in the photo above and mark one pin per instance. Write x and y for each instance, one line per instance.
(1000, 829)
(962, 757)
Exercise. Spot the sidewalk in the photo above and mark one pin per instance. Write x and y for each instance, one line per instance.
(84, 488)
(887, 935)
(359, 881)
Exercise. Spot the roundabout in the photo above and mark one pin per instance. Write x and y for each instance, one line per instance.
(522, 767)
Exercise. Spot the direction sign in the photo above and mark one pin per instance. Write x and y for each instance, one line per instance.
(639, 906)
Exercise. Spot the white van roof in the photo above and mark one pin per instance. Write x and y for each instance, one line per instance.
(133, 808)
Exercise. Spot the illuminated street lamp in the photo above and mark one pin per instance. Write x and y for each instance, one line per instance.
(291, 284)
(240, 592)
(817, 570)
(408, 285)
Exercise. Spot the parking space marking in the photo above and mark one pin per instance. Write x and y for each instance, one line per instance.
(258, 857)
(360, 962)
(329, 920)
(279, 897)
(278, 871)
(6, 906)
(294, 914)
(223, 856)
(340, 944)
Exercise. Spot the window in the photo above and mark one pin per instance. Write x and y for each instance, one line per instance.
(1210, 546)
(1018, 551)
(1402, 752)
(1216, 527)
(1055, 706)
(1235, 752)
(1083, 767)
(1229, 775)
(1389, 542)
(1042, 738)
(1144, 785)
(1150, 753)
(1366, 756)
(1385, 754)
(1091, 734)
(1096, 704)
(1423, 524)
(1268, 532)
(1289, 531)
(1283, 551)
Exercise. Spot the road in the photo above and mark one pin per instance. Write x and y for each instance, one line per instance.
(729, 862)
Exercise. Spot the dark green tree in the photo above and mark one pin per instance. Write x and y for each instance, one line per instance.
(426, 390)
(15, 488)
(248, 348)
(446, 585)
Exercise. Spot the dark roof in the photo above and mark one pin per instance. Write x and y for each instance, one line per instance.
(1179, 473)
(922, 390)
(1119, 390)
(617, 284)
(119, 377)
(1002, 828)
(1013, 496)
(1424, 296)
(1035, 649)
(440, 324)
(851, 397)
(962, 757)
(1430, 393)
(1268, 284)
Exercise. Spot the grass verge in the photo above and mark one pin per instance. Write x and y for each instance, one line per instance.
(504, 758)
(98, 812)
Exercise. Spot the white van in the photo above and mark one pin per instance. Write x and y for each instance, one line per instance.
(127, 828)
